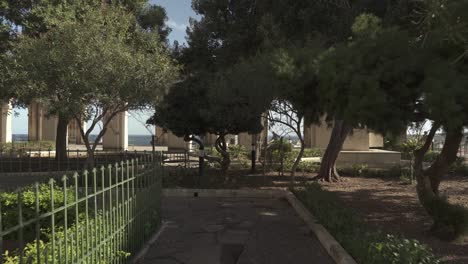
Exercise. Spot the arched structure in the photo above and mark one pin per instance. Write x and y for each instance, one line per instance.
(42, 127)
(116, 136)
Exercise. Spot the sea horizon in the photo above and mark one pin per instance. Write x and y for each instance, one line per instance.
(133, 140)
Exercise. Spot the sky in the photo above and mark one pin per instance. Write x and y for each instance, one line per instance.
(178, 12)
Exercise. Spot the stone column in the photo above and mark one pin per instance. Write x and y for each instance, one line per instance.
(307, 133)
(161, 136)
(210, 140)
(308, 136)
(5, 123)
(175, 142)
(41, 127)
(168, 139)
(116, 136)
(74, 134)
(49, 128)
(35, 117)
(245, 140)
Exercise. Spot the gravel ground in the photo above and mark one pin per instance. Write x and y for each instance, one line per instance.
(394, 207)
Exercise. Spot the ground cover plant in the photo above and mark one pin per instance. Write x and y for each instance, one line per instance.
(365, 244)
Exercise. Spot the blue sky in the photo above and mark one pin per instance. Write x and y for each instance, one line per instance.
(179, 12)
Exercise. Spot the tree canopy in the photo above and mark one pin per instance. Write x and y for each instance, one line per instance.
(199, 105)
(93, 66)
(362, 82)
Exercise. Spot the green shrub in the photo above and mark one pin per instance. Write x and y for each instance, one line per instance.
(10, 213)
(450, 220)
(431, 156)
(306, 166)
(362, 170)
(459, 167)
(289, 157)
(280, 145)
(95, 226)
(212, 152)
(238, 152)
(406, 177)
(398, 250)
(27, 146)
(312, 152)
(173, 176)
(362, 242)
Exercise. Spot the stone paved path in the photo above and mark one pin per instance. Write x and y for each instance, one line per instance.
(233, 230)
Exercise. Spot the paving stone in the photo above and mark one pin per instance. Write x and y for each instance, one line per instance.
(234, 237)
(233, 231)
(246, 224)
(213, 228)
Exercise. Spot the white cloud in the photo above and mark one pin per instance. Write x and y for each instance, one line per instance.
(176, 26)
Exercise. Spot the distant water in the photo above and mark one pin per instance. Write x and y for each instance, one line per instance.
(139, 140)
(20, 137)
(133, 140)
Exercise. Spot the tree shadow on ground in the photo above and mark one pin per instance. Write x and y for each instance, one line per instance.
(388, 205)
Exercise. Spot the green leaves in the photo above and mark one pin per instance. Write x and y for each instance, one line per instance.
(96, 57)
(373, 79)
(397, 250)
(372, 246)
(366, 25)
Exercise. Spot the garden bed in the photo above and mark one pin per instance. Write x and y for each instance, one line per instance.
(392, 206)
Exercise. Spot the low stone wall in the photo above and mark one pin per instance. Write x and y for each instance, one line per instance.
(379, 159)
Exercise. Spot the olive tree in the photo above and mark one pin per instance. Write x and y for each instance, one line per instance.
(385, 81)
(92, 68)
(200, 105)
(361, 84)
(444, 29)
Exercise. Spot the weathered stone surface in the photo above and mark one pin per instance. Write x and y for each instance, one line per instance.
(247, 231)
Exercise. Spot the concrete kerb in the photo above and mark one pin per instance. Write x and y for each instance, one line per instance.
(223, 193)
(334, 249)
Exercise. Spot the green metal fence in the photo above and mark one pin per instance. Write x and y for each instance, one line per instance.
(16, 160)
(99, 216)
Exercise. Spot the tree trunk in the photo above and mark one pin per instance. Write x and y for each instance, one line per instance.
(61, 139)
(90, 153)
(299, 134)
(419, 153)
(447, 157)
(296, 162)
(428, 182)
(90, 160)
(328, 170)
(221, 147)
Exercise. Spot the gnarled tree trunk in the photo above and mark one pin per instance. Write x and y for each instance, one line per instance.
(447, 157)
(428, 181)
(61, 139)
(221, 147)
(419, 153)
(297, 161)
(328, 170)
